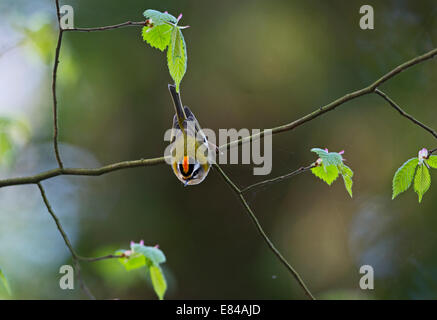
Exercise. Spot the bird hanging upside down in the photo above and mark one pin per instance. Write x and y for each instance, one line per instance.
(189, 146)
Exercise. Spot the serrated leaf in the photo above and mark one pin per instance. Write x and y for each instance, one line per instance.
(5, 282)
(422, 181)
(404, 176)
(158, 281)
(134, 261)
(159, 18)
(157, 36)
(329, 158)
(327, 173)
(153, 254)
(320, 152)
(432, 162)
(347, 175)
(149, 257)
(177, 57)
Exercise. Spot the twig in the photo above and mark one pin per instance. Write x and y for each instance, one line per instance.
(76, 258)
(83, 285)
(81, 171)
(55, 218)
(64, 234)
(404, 114)
(331, 106)
(67, 242)
(115, 26)
(277, 179)
(252, 216)
(54, 77)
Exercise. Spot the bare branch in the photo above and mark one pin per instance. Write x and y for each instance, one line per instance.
(331, 106)
(109, 256)
(81, 171)
(404, 114)
(277, 179)
(115, 26)
(252, 216)
(83, 285)
(55, 218)
(64, 235)
(54, 76)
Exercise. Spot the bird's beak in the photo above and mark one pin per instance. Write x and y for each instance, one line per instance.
(186, 183)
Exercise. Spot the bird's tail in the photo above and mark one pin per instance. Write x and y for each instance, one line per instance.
(179, 109)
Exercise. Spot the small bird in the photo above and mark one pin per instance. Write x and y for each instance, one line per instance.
(189, 146)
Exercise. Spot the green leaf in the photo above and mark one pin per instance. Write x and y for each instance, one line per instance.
(177, 56)
(158, 36)
(158, 281)
(153, 254)
(422, 181)
(347, 175)
(159, 18)
(327, 173)
(329, 158)
(432, 161)
(404, 176)
(134, 261)
(5, 282)
(149, 257)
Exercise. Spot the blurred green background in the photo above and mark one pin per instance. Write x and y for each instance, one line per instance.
(251, 64)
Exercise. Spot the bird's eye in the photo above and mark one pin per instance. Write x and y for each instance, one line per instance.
(196, 172)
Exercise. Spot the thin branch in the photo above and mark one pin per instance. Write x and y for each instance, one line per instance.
(76, 258)
(252, 216)
(81, 171)
(54, 76)
(109, 256)
(67, 242)
(115, 26)
(331, 106)
(83, 285)
(58, 223)
(277, 179)
(64, 234)
(404, 114)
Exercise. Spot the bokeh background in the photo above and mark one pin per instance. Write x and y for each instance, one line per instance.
(251, 64)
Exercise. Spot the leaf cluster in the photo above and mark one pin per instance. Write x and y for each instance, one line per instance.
(162, 32)
(415, 172)
(149, 257)
(329, 166)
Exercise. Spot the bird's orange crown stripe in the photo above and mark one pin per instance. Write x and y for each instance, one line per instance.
(185, 164)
